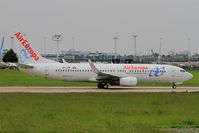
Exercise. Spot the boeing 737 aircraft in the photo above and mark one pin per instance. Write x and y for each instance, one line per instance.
(104, 74)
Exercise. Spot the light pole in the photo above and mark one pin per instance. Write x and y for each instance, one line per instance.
(115, 38)
(45, 38)
(73, 46)
(189, 51)
(135, 47)
(57, 38)
(73, 42)
(160, 51)
(12, 41)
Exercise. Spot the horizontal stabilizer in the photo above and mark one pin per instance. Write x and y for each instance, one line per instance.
(24, 66)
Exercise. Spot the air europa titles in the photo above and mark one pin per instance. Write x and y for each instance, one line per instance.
(130, 67)
(25, 44)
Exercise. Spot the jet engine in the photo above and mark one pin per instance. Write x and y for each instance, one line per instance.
(128, 81)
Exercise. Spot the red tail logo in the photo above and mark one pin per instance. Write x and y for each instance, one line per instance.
(25, 44)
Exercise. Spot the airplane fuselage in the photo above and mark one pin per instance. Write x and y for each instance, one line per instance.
(83, 72)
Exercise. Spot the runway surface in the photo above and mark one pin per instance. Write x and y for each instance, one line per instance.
(17, 89)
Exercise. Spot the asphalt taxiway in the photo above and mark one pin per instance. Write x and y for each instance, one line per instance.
(18, 89)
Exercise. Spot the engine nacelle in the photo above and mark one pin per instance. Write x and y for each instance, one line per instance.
(128, 81)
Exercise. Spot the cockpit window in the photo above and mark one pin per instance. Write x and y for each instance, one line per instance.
(182, 71)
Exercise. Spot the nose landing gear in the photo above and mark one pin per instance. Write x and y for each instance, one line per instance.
(174, 86)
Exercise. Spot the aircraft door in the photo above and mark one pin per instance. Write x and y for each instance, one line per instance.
(46, 72)
(173, 73)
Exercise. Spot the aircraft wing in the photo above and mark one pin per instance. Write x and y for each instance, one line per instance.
(106, 77)
(103, 76)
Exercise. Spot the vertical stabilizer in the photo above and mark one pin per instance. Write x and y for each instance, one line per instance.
(26, 53)
(1, 49)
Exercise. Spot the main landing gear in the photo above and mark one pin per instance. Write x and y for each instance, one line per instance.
(102, 86)
(174, 86)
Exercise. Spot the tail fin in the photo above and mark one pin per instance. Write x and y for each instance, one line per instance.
(27, 54)
(1, 49)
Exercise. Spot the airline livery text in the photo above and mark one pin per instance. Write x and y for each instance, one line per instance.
(25, 44)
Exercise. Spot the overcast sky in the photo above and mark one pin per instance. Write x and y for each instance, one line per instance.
(94, 23)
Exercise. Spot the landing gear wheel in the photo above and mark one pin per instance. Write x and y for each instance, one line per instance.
(102, 86)
(105, 86)
(174, 86)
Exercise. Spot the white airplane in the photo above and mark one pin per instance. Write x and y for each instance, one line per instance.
(104, 74)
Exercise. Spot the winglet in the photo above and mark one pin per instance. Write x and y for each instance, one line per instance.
(64, 61)
(93, 67)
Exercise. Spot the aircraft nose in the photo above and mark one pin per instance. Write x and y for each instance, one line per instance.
(189, 76)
